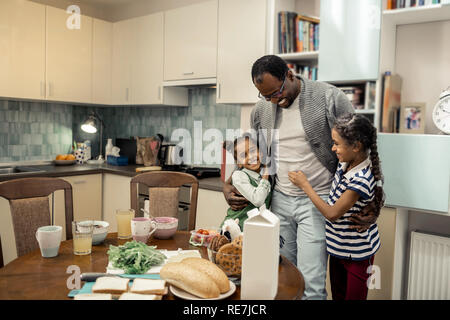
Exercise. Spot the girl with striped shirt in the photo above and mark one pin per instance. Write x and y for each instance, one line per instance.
(356, 183)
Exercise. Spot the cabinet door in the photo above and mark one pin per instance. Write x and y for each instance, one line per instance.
(116, 195)
(101, 61)
(190, 41)
(211, 209)
(22, 49)
(87, 199)
(148, 58)
(349, 39)
(123, 51)
(240, 44)
(69, 58)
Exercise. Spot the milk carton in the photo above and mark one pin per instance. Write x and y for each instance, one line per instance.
(260, 255)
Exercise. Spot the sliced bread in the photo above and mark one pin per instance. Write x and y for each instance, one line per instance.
(113, 285)
(148, 286)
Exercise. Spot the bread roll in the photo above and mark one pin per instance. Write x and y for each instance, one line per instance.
(206, 266)
(189, 279)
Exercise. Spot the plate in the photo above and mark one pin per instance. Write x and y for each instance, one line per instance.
(187, 296)
(64, 162)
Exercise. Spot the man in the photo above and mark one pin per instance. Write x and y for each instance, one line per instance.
(302, 112)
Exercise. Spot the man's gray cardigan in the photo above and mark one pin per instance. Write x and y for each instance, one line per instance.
(320, 105)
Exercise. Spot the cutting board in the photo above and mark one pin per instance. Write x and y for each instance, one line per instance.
(152, 168)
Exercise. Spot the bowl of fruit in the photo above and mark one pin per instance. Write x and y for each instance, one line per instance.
(202, 236)
(64, 159)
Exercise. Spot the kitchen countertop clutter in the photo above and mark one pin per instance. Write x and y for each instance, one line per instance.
(48, 169)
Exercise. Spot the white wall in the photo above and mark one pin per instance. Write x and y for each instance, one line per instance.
(422, 60)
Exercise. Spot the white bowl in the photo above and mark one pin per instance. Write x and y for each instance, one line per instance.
(99, 234)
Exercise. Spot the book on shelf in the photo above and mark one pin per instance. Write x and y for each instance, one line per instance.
(305, 71)
(391, 99)
(297, 33)
(400, 4)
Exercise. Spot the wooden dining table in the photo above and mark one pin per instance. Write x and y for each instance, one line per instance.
(32, 277)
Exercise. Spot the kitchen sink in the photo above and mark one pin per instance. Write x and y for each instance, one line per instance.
(18, 170)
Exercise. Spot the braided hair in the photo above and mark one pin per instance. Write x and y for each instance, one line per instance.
(355, 128)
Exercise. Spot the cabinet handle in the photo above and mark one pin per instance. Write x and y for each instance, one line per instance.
(79, 182)
(159, 93)
(188, 73)
(218, 91)
(49, 87)
(127, 94)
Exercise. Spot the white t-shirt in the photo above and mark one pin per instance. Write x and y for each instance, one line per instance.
(294, 153)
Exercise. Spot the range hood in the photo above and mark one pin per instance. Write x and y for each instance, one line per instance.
(191, 82)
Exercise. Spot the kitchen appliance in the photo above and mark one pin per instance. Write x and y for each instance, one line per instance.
(171, 155)
(127, 149)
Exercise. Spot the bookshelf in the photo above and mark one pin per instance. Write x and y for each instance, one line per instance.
(418, 18)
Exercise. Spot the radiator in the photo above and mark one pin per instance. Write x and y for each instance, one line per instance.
(429, 267)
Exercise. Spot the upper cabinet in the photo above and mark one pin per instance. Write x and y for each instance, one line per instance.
(122, 59)
(69, 58)
(190, 42)
(240, 44)
(349, 40)
(101, 61)
(22, 49)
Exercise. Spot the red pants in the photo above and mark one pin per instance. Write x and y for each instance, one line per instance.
(349, 278)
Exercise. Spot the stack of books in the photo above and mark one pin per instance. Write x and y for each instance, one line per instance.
(297, 33)
(399, 4)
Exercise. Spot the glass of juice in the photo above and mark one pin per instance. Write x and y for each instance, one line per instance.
(82, 237)
(124, 217)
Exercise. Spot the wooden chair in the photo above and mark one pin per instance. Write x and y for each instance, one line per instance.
(29, 203)
(164, 187)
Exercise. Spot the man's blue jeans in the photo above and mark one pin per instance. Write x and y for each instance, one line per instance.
(302, 227)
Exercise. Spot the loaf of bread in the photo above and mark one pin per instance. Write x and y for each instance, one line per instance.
(190, 279)
(209, 268)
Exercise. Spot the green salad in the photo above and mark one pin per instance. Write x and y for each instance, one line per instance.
(135, 257)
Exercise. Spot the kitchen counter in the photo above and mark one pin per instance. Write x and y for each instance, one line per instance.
(51, 170)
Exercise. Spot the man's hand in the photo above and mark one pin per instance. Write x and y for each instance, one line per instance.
(233, 197)
(364, 219)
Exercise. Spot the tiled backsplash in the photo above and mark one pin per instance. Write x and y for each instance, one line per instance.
(34, 130)
(40, 130)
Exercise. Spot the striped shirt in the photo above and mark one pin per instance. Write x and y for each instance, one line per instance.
(343, 242)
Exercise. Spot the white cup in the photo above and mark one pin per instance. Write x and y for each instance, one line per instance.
(142, 228)
(49, 239)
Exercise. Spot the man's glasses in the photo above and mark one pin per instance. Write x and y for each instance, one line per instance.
(274, 95)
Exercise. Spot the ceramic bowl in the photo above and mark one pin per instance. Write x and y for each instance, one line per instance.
(100, 232)
(165, 227)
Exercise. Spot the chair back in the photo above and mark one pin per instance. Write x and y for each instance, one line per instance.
(29, 203)
(164, 187)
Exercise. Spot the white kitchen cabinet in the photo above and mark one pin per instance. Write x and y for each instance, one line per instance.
(147, 66)
(102, 33)
(122, 59)
(116, 195)
(211, 209)
(22, 49)
(69, 58)
(190, 41)
(240, 44)
(87, 199)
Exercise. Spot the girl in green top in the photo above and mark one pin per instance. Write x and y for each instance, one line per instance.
(247, 179)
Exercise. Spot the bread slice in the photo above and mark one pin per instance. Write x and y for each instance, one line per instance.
(189, 279)
(137, 296)
(148, 286)
(212, 270)
(93, 296)
(113, 285)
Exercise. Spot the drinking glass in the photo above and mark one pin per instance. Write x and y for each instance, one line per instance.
(124, 217)
(82, 237)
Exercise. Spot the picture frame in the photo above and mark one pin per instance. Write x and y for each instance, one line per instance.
(412, 117)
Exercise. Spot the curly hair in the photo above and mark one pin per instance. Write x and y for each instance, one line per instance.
(272, 64)
(357, 128)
